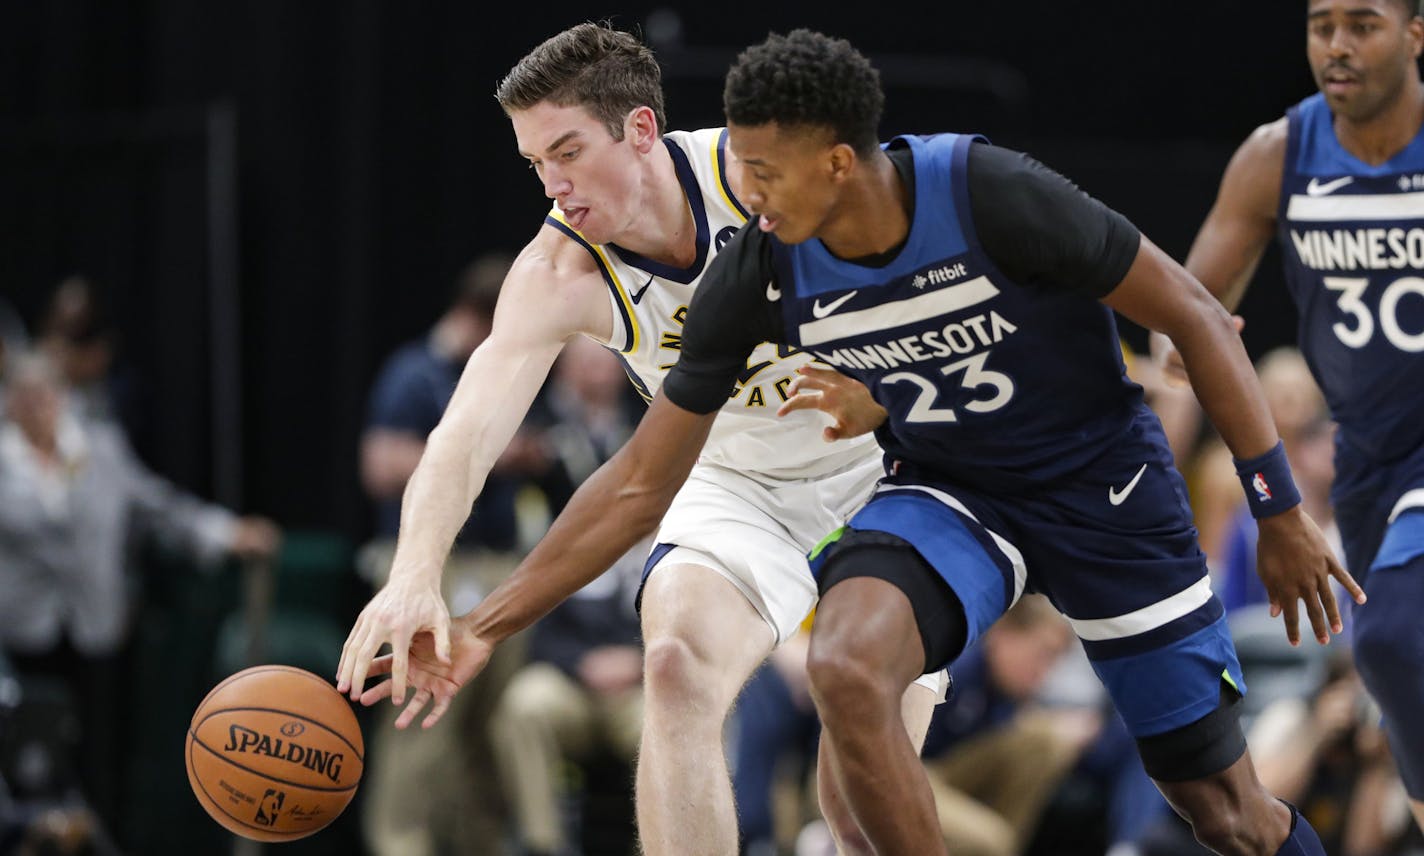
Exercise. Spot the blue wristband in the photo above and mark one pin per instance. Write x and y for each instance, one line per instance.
(1268, 483)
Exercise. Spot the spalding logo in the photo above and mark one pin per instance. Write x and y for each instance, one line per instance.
(244, 740)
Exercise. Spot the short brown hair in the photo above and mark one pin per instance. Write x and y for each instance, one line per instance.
(606, 71)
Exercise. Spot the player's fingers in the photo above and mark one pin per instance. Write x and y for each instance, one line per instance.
(1332, 609)
(805, 400)
(347, 665)
(1289, 609)
(364, 655)
(831, 433)
(442, 638)
(1348, 582)
(380, 666)
(400, 663)
(1317, 618)
(412, 710)
(377, 693)
(1239, 322)
(346, 678)
(442, 704)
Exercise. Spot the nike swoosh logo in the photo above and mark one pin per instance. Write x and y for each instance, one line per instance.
(772, 292)
(822, 311)
(638, 295)
(1116, 496)
(1315, 188)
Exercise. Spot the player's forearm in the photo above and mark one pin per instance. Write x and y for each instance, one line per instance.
(437, 502)
(1225, 382)
(615, 508)
(608, 514)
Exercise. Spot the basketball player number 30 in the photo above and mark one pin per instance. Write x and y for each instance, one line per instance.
(975, 377)
(1357, 336)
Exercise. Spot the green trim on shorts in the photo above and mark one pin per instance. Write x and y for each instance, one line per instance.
(1225, 676)
(826, 542)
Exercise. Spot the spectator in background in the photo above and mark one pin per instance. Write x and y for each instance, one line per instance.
(995, 757)
(581, 693)
(579, 697)
(75, 333)
(72, 494)
(409, 396)
(13, 339)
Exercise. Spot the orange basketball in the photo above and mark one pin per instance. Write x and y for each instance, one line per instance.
(274, 753)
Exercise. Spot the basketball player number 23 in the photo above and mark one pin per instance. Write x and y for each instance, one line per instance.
(975, 377)
(1357, 336)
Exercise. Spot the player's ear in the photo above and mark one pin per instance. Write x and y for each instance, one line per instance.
(1415, 29)
(640, 127)
(840, 160)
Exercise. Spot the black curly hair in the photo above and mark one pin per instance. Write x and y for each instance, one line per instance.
(807, 79)
(594, 66)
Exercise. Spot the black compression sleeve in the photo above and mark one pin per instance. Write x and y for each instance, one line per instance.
(730, 315)
(1041, 230)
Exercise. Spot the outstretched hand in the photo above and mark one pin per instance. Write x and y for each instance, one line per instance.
(1296, 563)
(844, 399)
(399, 611)
(432, 678)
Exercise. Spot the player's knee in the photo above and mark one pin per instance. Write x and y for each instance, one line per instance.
(844, 680)
(675, 676)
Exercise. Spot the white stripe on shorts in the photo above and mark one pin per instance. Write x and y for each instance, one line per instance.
(1009, 550)
(1147, 618)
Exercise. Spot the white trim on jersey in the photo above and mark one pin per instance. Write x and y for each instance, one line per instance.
(899, 313)
(1147, 618)
(1360, 206)
(1411, 499)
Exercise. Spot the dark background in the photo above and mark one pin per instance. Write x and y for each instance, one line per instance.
(271, 195)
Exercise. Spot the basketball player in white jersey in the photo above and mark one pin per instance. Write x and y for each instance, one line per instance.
(637, 217)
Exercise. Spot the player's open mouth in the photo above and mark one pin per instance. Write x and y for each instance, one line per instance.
(1340, 81)
(574, 215)
(768, 224)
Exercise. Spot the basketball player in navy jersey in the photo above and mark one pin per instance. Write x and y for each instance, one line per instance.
(638, 213)
(965, 285)
(1339, 180)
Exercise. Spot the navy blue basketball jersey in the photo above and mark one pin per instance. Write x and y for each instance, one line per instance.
(990, 382)
(1352, 239)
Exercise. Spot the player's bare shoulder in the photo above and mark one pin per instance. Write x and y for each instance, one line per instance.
(1253, 178)
(555, 279)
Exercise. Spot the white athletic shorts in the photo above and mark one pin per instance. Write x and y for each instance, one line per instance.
(756, 533)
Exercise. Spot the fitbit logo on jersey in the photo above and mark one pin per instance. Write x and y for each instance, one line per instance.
(244, 740)
(939, 275)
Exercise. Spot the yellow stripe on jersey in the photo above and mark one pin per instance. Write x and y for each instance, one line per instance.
(719, 166)
(630, 319)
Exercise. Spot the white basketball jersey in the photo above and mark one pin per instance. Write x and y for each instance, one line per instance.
(650, 302)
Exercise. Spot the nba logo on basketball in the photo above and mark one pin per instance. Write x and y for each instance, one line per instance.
(270, 807)
(1263, 490)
